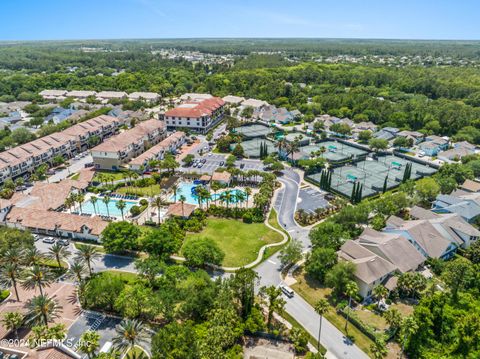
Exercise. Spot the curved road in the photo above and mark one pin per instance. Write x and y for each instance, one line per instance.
(269, 272)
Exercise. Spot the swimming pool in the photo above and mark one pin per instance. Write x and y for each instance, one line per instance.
(185, 189)
(101, 207)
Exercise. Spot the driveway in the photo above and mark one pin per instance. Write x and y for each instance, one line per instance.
(74, 166)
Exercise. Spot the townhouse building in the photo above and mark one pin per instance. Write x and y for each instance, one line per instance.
(120, 149)
(158, 152)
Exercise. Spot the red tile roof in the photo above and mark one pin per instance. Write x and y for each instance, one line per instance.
(196, 108)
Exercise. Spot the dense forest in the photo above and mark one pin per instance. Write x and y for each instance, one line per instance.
(441, 100)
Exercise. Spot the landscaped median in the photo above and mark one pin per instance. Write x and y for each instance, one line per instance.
(241, 242)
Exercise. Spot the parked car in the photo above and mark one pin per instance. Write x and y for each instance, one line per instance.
(222, 163)
(204, 160)
(242, 165)
(64, 242)
(48, 240)
(89, 164)
(36, 237)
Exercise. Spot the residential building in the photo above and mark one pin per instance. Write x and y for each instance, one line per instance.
(470, 186)
(100, 127)
(158, 152)
(120, 149)
(370, 269)
(111, 95)
(233, 100)
(271, 114)
(433, 145)
(55, 95)
(195, 97)
(387, 133)
(24, 159)
(59, 114)
(393, 248)
(81, 95)
(197, 115)
(451, 225)
(427, 238)
(459, 150)
(254, 103)
(416, 137)
(144, 96)
(463, 203)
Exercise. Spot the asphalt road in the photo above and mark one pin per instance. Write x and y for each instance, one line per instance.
(74, 166)
(269, 272)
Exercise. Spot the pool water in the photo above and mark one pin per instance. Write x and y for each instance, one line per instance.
(101, 207)
(185, 189)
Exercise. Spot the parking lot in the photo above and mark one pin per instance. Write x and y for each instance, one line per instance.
(309, 199)
(214, 160)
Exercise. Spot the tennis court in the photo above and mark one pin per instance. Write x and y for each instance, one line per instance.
(333, 151)
(253, 131)
(372, 173)
(251, 147)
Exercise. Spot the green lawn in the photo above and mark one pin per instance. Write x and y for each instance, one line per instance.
(149, 191)
(312, 291)
(116, 175)
(240, 241)
(75, 176)
(126, 277)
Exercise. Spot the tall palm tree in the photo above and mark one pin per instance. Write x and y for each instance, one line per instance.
(321, 307)
(37, 277)
(42, 310)
(9, 276)
(215, 186)
(32, 256)
(380, 292)
(80, 200)
(239, 197)
(129, 334)
(351, 289)
(13, 321)
(182, 201)
(59, 252)
(88, 254)
(106, 200)
(248, 193)
(93, 200)
(121, 206)
(68, 202)
(78, 268)
(228, 197)
(13, 255)
(158, 203)
(175, 190)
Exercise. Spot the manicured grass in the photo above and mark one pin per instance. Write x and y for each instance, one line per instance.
(312, 339)
(75, 176)
(375, 320)
(312, 291)
(4, 294)
(116, 175)
(99, 248)
(140, 191)
(272, 220)
(135, 351)
(240, 241)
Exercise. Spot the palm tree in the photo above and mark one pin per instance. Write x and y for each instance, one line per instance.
(121, 206)
(41, 310)
(9, 275)
(351, 289)
(157, 203)
(248, 193)
(13, 321)
(59, 252)
(175, 190)
(87, 254)
(93, 200)
(32, 256)
(89, 343)
(292, 148)
(182, 201)
(80, 200)
(106, 200)
(72, 199)
(227, 197)
(129, 334)
(68, 202)
(215, 186)
(78, 268)
(37, 277)
(321, 307)
(380, 292)
(239, 197)
(393, 318)
(13, 255)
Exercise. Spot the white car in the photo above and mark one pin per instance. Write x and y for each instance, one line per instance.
(49, 240)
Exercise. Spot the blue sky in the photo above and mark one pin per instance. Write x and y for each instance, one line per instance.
(109, 19)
